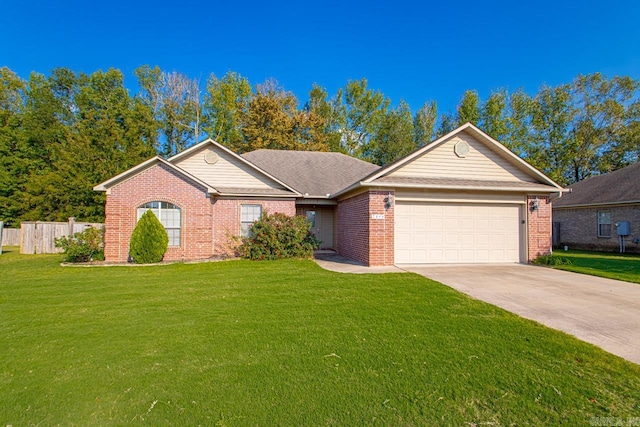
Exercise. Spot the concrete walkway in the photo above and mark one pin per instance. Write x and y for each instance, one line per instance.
(330, 260)
(600, 311)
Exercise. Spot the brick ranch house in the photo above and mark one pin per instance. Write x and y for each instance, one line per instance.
(464, 198)
(586, 217)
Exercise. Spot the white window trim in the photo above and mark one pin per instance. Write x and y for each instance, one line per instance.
(142, 209)
(600, 234)
(248, 223)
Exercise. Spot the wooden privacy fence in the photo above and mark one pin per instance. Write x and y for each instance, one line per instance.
(11, 237)
(39, 237)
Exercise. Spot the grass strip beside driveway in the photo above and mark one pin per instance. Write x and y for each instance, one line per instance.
(283, 343)
(617, 266)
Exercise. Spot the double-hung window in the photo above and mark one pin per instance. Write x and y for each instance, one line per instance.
(248, 215)
(604, 223)
(169, 216)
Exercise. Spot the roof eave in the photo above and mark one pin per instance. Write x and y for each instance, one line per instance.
(588, 205)
(549, 189)
(254, 195)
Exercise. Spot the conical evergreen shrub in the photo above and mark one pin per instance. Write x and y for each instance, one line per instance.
(149, 240)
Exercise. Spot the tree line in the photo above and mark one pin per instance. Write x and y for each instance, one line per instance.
(63, 133)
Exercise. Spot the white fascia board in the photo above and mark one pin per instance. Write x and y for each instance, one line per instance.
(461, 187)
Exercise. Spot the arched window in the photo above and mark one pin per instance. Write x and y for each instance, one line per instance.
(169, 216)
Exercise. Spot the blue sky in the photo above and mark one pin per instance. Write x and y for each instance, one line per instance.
(411, 50)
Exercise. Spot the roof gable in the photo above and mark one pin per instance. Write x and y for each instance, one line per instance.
(222, 168)
(138, 169)
(466, 153)
(618, 187)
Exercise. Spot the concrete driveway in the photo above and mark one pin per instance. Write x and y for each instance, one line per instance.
(600, 311)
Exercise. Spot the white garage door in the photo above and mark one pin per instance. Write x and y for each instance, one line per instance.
(456, 233)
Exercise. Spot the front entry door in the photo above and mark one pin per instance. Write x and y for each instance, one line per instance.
(321, 220)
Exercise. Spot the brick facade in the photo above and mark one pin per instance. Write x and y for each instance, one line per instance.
(579, 227)
(364, 223)
(207, 222)
(538, 227)
(226, 215)
(360, 236)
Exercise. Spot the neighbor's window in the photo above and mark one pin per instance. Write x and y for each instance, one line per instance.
(604, 224)
(248, 215)
(169, 216)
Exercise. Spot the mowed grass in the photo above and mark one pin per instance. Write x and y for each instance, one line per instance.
(604, 264)
(283, 343)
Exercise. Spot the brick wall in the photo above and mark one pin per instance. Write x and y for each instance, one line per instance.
(206, 222)
(362, 238)
(381, 240)
(538, 227)
(226, 214)
(579, 227)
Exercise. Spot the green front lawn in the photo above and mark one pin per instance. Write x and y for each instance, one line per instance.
(604, 264)
(283, 343)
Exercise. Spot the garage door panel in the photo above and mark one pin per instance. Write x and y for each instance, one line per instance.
(457, 233)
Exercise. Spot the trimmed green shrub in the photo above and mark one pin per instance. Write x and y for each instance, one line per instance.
(551, 259)
(149, 240)
(279, 236)
(85, 246)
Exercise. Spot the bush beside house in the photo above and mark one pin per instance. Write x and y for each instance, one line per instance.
(85, 246)
(278, 235)
(149, 241)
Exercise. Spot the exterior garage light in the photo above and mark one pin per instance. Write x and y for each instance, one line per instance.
(535, 204)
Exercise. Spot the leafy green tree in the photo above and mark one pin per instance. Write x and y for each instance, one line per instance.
(364, 112)
(468, 109)
(603, 111)
(225, 101)
(174, 100)
(395, 139)
(518, 136)
(273, 121)
(12, 163)
(109, 133)
(149, 240)
(424, 123)
(47, 122)
(552, 116)
(333, 114)
(446, 124)
(493, 117)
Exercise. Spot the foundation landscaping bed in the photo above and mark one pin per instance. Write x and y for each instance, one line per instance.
(284, 343)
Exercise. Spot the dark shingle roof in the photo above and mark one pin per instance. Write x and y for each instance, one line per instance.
(311, 172)
(620, 186)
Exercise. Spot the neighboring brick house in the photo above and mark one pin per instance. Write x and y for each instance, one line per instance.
(464, 198)
(586, 217)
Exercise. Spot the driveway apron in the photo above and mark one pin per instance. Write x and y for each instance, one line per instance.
(600, 311)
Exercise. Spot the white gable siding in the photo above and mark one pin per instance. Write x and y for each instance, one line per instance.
(481, 163)
(226, 172)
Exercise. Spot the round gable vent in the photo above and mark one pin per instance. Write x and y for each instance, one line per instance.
(211, 157)
(461, 149)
